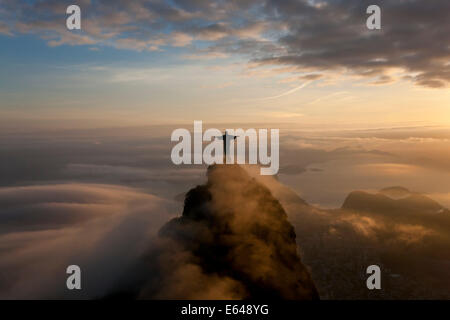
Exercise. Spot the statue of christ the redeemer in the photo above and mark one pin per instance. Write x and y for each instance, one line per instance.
(226, 142)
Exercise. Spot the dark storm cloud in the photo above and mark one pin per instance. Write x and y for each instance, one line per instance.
(328, 35)
(414, 37)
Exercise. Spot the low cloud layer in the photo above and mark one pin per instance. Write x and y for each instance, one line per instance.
(107, 222)
(44, 229)
(233, 241)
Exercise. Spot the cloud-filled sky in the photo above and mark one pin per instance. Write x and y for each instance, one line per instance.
(86, 117)
(147, 62)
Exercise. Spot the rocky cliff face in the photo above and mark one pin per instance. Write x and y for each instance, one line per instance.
(234, 238)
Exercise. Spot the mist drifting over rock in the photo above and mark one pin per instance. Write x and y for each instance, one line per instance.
(233, 241)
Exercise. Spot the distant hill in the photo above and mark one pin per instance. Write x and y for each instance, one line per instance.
(392, 200)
